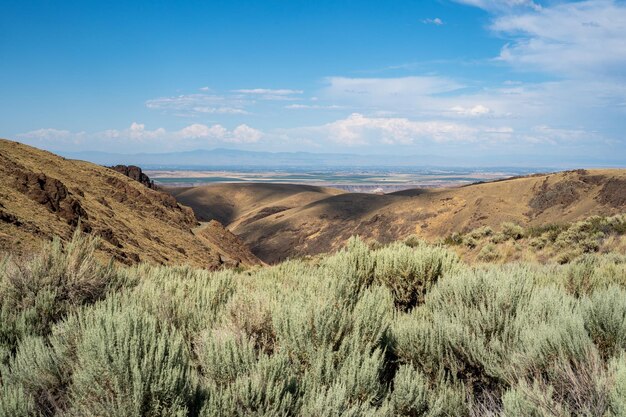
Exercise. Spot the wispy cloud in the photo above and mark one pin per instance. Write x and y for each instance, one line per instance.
(386, 94)
(263, 91)
(270, 94)
(578, 39)
(194, 104)
(500, 5)
(399, 86)
(436, 21)
(299, 106)
(475, 111)
(52, 134)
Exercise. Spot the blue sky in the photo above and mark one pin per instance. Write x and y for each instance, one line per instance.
(513, 81)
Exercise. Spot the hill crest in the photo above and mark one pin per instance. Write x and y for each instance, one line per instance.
(43, 195)
(290, 226)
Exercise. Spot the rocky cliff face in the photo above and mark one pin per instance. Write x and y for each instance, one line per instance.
(43, 195)
(135, 173)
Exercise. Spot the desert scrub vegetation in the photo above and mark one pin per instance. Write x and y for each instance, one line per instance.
(562, 243)
(398, 330)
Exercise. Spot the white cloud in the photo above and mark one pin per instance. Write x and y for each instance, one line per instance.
(270, 94)
(205, 89)
(263, 91)
(219, 110)
(137, 134)
(50, 133)
(499, 5)
(475, 111)
(246, 134)
(578, 39)
(194, 104)
(436, 21)
(386, 94)
(313, 106)
(390, 87)
(553, 135)
(136, 131)
(357, 130)
(198, 130)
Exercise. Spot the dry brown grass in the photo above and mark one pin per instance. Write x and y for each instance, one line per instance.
(43, 195)
(323, 223)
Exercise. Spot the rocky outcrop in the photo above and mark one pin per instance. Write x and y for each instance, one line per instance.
(613, 193)
(43, 196)
(50, 193)
(135, 173)
(562, 193)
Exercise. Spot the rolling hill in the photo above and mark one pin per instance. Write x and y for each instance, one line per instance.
(43, 195)
(293, 220)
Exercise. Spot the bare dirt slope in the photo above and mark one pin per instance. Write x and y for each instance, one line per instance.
(43, 195)
(324, 224)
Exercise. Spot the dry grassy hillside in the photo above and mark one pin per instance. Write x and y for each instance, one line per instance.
(43, 195)
(236, 204)
(324, 224)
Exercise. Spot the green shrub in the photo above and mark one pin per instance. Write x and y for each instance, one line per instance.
(41, 372)
(481, 232)
(498, 238)
(414, 241)
(186, 298)
(267, 389)
(410, 273)
(605, 320)
(589, 273)
(470, 242)
(617, 405)
(454, 239)
(403, 329)
(512, 231)
(539, 242)
(354, 263)
(35, 293)
(14, 402)
(490, 327)
(410, 393)
(488, 253)
(534, 400)
(128, 364)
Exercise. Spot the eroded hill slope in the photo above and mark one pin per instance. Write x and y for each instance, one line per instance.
(324, 224)
(43, 195)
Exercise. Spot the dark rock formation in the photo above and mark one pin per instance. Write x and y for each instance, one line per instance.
(135, 173)
(562, 194)
(613, 193)
(51, 193)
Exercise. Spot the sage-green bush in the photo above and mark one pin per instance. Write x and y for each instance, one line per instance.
(36, 293)
(397, 330)
(129, 363)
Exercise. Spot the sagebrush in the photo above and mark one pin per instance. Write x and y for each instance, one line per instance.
(402, 330)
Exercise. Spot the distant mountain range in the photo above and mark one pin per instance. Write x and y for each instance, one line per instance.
(230, 158)
(220, 157)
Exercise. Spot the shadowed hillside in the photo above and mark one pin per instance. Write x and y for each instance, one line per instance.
(43, 195)
(245, 203)
(275, 230)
